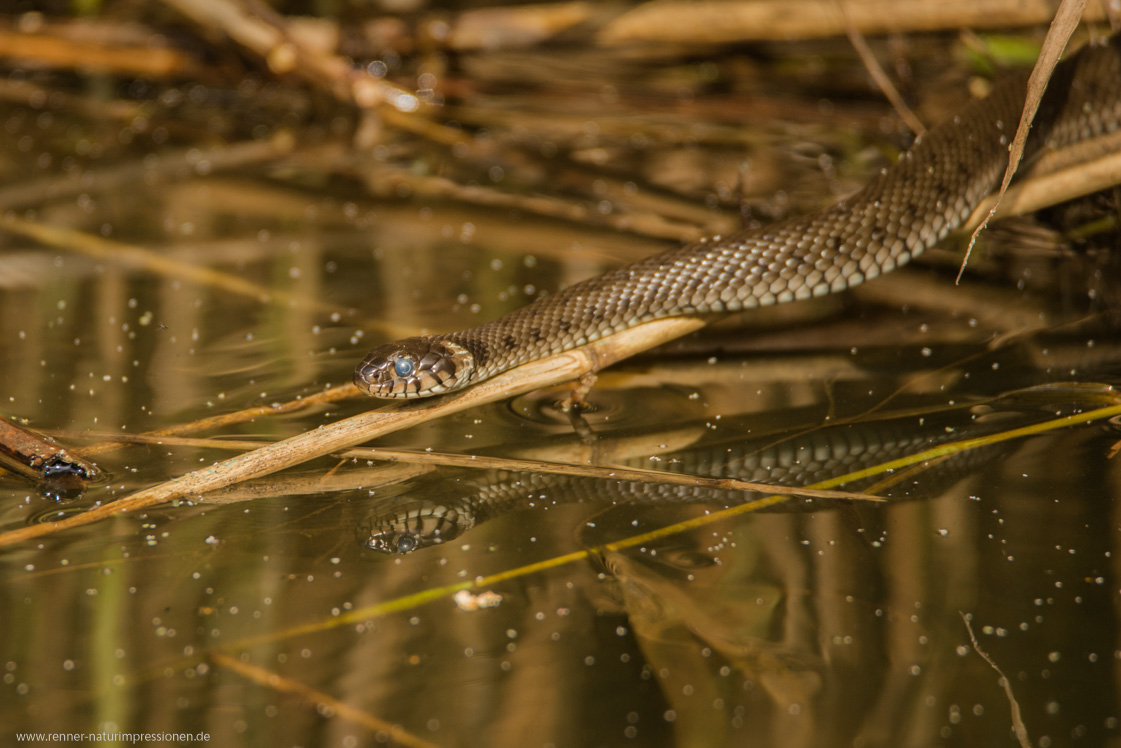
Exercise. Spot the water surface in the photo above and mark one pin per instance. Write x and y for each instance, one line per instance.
(588, 614)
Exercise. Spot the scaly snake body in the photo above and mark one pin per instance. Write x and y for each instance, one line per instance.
(904, 210)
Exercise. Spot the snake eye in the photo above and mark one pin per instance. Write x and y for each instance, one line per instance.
(407, 543)
(404, 365)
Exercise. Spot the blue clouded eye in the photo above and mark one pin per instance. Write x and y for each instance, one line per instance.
(403, 366)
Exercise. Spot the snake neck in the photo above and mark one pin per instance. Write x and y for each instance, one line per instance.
(904, 210)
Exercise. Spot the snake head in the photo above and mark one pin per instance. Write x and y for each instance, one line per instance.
(415, 525)
(414, 367)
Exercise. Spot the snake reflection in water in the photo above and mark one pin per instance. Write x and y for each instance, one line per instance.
(909, 207)
(440, 515)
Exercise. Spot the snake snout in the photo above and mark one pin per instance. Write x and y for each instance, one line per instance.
(413, 367)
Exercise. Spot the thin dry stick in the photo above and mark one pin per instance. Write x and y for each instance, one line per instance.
(648, 225)
(720, 21)
(229, 419)
(1063, 25)
(1017, 721)
(476, 462)
(872, 65)
(1059, 186)
(566, 367)
(278, 682)
(633, 475)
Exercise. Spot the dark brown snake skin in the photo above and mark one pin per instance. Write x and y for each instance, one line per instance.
(907, 208)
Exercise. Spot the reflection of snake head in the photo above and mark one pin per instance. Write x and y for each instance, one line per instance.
(415, 367)
(416, 525)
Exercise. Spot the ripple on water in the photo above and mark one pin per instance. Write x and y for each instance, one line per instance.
(614, 408)
(52, 511)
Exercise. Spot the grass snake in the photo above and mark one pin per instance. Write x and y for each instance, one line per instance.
(908, 207)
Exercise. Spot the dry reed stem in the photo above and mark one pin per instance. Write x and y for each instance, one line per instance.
(722, 21)
(514, 464)
(1067, 183)
(222, 420)
(1062, 26)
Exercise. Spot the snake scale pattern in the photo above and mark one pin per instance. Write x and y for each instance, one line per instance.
(908, 207)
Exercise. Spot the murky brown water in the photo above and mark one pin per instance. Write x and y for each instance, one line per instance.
(261, 615)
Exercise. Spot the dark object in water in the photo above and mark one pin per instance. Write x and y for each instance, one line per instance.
(59, 472)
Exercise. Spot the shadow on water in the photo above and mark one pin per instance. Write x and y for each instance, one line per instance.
(541, 602)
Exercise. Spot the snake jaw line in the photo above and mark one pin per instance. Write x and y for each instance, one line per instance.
(414, 367)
